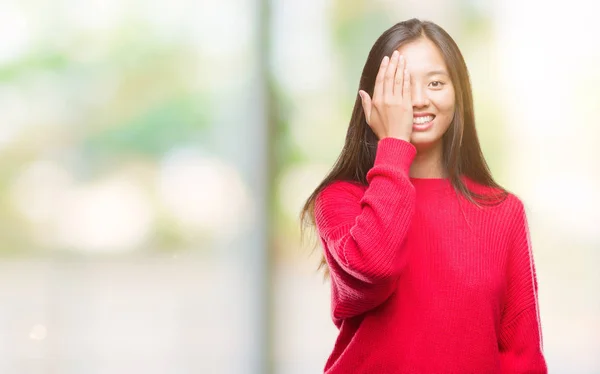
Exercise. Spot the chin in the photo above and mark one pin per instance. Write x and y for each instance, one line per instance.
(425, 140)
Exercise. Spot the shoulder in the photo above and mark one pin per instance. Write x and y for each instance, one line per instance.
(516, 215)
(514, 203)
(510, 208)
(479, 188)
(509, 200)
(511, 213)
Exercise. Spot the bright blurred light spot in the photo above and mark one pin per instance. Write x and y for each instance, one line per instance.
(38, 332)
(203, 193)
(296, 184)
(110, 216)
(15, 31)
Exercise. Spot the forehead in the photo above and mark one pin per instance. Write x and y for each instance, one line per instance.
(422, 56)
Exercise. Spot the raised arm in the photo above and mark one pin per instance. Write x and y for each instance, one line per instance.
(363, 231)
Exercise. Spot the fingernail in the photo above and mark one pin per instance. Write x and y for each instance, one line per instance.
(395, 54)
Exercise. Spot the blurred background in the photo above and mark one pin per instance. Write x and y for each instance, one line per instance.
(154, 157)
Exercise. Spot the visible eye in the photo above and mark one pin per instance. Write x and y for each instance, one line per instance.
(436, 84)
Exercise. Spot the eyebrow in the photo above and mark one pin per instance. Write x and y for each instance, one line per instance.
(438, 72)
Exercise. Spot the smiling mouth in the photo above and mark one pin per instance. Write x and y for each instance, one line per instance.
(422, 119)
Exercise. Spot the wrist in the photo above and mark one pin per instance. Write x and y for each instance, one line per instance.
(405, 137)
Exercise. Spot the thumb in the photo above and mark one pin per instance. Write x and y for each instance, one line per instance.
(366, 104)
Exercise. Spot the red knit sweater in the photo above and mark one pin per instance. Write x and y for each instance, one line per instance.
(424, 282)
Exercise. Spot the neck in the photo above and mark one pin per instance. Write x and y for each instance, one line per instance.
(428, 163)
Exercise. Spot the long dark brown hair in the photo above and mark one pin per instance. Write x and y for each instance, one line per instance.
(462, 155)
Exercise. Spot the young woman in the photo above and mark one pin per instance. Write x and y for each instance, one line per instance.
(430, 260)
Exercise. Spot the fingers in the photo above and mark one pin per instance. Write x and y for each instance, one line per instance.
(378, 90)
(406, 86)
(399, 76)
(366, 104)
(388, 84)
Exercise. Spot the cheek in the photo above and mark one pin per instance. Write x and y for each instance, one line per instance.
(444, 102)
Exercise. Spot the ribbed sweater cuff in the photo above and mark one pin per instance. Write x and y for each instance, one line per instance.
(397, 152)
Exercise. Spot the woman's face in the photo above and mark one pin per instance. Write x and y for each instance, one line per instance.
(432, 92)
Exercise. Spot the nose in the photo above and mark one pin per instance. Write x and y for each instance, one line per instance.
(419, 96)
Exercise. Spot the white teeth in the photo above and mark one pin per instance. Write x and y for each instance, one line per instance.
(422, 119)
